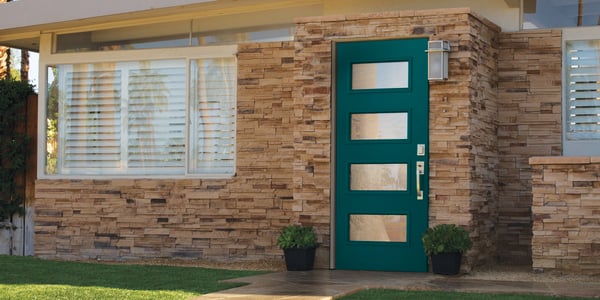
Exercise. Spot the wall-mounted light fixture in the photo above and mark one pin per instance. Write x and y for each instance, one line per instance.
(437, 57)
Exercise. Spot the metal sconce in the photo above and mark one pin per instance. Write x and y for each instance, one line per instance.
(437, 57)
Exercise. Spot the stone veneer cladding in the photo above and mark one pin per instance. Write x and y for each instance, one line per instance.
(529, 124)
(566, 214)
(238, 218)
(284, 155)
(462, 112)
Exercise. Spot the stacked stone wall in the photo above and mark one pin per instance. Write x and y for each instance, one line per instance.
(483, 138)
(236, 218)
(462, 113)
(529, 124)
(566, 214)
(284, 135)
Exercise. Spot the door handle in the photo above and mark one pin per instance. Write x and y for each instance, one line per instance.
(420, 171)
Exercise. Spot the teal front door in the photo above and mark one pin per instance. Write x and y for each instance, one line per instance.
(381, 155)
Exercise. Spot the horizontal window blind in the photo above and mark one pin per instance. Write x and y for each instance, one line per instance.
(152, 117)
(213, 116)
(92, 119)
(583, 90)
(156, 117)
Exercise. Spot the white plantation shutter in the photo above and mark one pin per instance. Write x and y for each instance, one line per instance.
(583, 79)
(171, 116)
(582, 104)
(213, 116)
(92, 124)
(156, 117)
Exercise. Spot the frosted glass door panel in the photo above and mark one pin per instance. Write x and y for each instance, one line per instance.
(378, 228)
(383, 75)
(378, 177)
(382, 126)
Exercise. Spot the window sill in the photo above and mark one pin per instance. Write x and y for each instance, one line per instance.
(137, 177)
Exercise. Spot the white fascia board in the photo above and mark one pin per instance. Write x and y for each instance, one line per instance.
(26, 13)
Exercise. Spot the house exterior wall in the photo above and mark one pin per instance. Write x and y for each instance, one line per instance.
(529, 124)
(462, 111)
(482, 117)
(211, 219)
(284, 155)
(566, 214)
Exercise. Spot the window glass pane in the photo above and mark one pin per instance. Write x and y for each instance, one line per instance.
(167, 35)
(378, 228)
(560, 13)
(383, 75)
(156, 111)
(52, 122)
(88, 117)
(164, 35)
(117, 118)
(379, 126)
(378, 177)
(583, 89)
(213, 97)
(283, 32)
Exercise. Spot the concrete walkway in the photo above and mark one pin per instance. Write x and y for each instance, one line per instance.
(332, 284)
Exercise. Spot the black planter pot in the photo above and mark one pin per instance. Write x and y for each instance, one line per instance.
(446, 263)
(299, 259)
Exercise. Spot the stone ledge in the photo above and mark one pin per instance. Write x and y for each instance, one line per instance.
(563, 160)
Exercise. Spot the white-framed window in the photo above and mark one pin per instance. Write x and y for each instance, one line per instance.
(581, 91)
(140, 113)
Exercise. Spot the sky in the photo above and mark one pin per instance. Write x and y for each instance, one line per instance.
(34, 66)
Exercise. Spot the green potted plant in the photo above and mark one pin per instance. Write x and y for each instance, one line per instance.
(298, 243)
(445, 244)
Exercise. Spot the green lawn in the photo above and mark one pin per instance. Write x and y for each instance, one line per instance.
(384, 294)
(32, 278)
